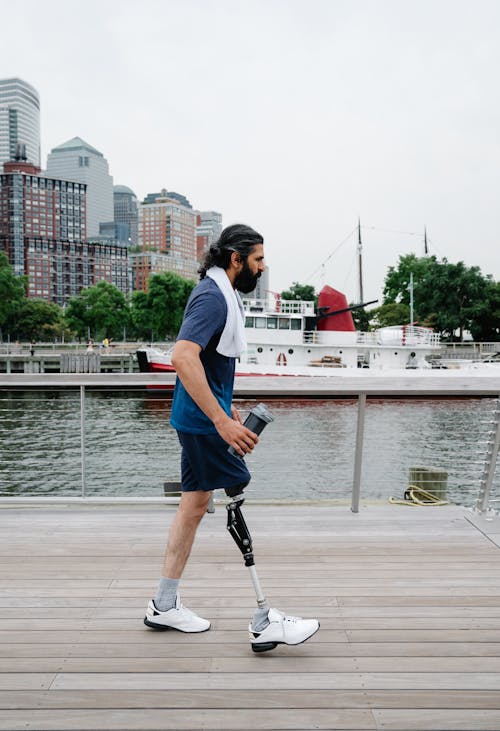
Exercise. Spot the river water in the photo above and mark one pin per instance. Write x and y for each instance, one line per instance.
(306, 453)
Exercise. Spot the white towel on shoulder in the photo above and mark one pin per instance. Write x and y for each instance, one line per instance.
(232, 341)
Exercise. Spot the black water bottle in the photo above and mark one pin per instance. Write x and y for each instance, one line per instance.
(256, 420)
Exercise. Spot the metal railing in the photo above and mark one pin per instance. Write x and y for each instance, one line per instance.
(400, 335)
(482, 451)
(279, 306)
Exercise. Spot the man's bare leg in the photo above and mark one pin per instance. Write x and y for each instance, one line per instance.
(166, 610)
(192, 508)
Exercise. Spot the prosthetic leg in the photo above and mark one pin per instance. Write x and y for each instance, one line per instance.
(281, 629)
(241, 535)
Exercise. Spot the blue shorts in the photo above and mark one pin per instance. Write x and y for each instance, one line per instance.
(207, 465)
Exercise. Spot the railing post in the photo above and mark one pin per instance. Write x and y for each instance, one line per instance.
(358, 454)
(82, 436)
(490, 464)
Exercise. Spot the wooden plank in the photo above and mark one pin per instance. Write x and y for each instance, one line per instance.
(227, 698)
(437, 720)
(288, 664)
(268, 681)
(317, 649)
(189, 720)
(25, 681)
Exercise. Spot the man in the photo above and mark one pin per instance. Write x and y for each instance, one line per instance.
(211, 337)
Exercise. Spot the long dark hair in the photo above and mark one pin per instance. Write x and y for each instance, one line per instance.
(237, 237)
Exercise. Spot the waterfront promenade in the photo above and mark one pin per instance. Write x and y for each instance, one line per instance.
(408, 598)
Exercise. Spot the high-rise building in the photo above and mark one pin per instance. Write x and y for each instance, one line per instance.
(167, 236)
(77, 160)
(42, 231)
(152, 197)
(126, 210)
(19, 120)
(208, 230)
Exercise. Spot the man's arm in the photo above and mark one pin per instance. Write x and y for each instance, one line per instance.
(187, 363)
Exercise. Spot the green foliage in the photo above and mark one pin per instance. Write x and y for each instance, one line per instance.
(140, 316)
(40, 320)
(304, 292)
(167, 297)
(361, 318)
(449, 297)
(397, 282)
(102, 309)
(158, 313)
(390, 314)
(12, 294)
(76, 316)
(486, 324)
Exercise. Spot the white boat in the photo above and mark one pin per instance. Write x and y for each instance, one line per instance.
(292, 338)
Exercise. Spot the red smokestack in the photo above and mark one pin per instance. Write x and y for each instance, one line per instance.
(334, 300)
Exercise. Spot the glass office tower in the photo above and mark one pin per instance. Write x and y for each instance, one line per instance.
(19, 120)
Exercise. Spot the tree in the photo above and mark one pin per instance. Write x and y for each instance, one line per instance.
(304, 292)
(486, 325)
(140, 314)
(397, 282)
(102, 309)
(390, 314)
(361, 318)
(12, 294)
(449, 297)
(40, 320)
(167, 297)
(77, 317)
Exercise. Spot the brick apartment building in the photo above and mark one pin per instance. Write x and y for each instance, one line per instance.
(43, 232)
(167, 237)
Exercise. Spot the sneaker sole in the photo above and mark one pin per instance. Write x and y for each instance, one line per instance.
(266, 646)
(163, 627)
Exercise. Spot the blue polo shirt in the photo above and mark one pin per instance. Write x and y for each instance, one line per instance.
(203, 323)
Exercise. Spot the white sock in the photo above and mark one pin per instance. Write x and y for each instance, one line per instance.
(167, 594)
(260, 620)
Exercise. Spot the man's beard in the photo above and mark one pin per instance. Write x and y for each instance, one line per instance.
(246, 281)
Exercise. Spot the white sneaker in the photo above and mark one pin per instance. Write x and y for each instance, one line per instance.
(179, 617)
(282, 630)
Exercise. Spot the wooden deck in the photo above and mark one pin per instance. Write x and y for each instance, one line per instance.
(408, 598)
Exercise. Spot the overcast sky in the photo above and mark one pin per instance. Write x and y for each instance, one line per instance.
(293, 117)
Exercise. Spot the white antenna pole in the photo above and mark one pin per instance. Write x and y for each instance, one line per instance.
(410, 287)
(360, 263)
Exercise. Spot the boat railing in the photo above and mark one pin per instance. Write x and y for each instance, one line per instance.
(475, 446)
(400, 335)
(284, 307)
(311, 336)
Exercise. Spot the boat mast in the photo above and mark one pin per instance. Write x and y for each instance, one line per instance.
(410, 287)
(360, 263)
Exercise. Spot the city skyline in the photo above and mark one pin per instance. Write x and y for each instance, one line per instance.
(296, 121)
